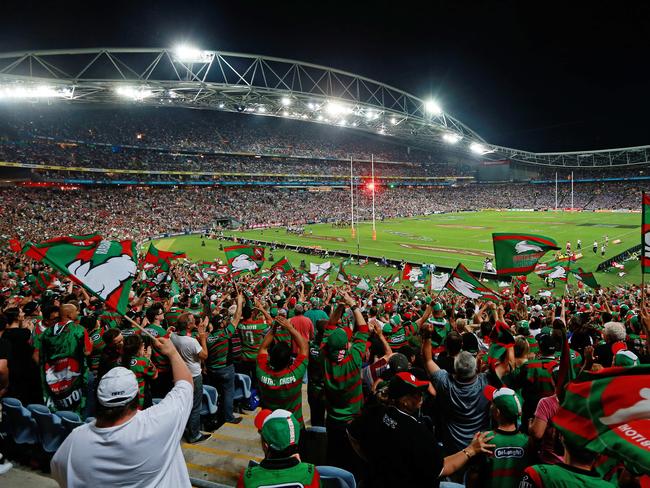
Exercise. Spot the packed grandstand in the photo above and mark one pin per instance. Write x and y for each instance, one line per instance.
(402, 386)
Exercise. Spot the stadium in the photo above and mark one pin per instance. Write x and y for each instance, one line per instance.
(135, 183)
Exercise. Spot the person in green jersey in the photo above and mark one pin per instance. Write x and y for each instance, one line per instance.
(279, 379)
(161, 385)
(220, 373)
(511, 448)
(64, 348)
(136, 358)
(281, 466)
(252, 330)
(342, 362)
(576, 472)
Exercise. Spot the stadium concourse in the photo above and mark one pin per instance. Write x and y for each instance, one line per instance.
(119, 368)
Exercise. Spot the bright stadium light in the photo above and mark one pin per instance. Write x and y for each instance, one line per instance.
(261, 109)
(320, 117)
(221, 105)
(343, 122)
(432, 107)
(40, 91)
(133, 92)
(286, 101)
(285, 113)
(336, 108)
(311, 106)
(393, 120)
(451, 137)
(477, 148)
(189, 54)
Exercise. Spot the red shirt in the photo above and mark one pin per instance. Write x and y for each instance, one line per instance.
(305, 328)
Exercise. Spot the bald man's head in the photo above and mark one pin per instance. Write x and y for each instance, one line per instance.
(68, 312)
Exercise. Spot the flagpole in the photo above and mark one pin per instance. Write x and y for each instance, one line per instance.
(642, 252)
(572, 190)
(556, 191)
(352, 200)
(372, 166)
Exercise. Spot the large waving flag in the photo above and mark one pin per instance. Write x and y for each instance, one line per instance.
(438, 281)
(517, 254)
(463, 282)
(104, 268)
(244, 258)
(645, 233)
(609, 412)
(162, 258)
(342, 275)
(284, 266)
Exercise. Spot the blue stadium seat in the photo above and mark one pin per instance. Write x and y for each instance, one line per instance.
(70, 420)
(209, 402)
(242, 387)
(332, 477)
(20, 424)
(51, 431)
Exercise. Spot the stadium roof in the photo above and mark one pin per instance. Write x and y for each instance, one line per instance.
(266, 86)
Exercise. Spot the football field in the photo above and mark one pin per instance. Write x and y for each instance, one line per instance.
(447, 239)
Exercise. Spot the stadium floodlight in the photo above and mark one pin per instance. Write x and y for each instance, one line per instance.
(261, 109)
(311, 106)
(320, 117)
(189, 54)
(477, 148)
(286, 101)
(343, 122)
(393, 120)
(285, 113)
(134, 92)
(25, 91)
(432, 107)
(451, 137)
(221, 105)
(354, 124)
(336, 108)
(304, 116)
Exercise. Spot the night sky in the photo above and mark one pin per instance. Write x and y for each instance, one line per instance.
(542, 76)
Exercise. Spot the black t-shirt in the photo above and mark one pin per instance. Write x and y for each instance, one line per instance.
(5, 349)
(401, 450)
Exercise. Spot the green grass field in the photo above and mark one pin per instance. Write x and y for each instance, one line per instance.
(446, 239)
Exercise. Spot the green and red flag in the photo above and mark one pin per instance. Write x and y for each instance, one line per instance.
(519, 253)
(363, 285)
(566, 373)
(244, 258)
(284, 266)
(463, 282)
(586, 278)
(262, 283)
(14, 245)
(501, 339)
(608, 412)
(342, 275)
(162, 258)
(104, 268)
(645, 233)
(556, 269)
(42, 282)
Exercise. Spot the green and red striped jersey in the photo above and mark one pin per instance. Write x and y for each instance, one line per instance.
(342, 375)
(252, 334)
(218, 341)
(172, 316)
(98, 347)
(160, 361)
(282, 389)
(109, 319)
(539, 374)
(560, 476)
(511, 456)
(143, 369)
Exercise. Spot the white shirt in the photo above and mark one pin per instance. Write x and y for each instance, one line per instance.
(189, 348)
(143, 452)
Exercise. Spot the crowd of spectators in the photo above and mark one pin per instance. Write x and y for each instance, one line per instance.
(414, 388)
(141, 212)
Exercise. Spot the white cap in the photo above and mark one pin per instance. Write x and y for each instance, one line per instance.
(117, 387)
(232, 309)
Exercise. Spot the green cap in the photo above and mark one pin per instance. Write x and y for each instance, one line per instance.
(505, 399)
(279, 429)
(597, 306)
(437, 307)
(396, 319)
(427, 300)
(273, 312)
(337, 340)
